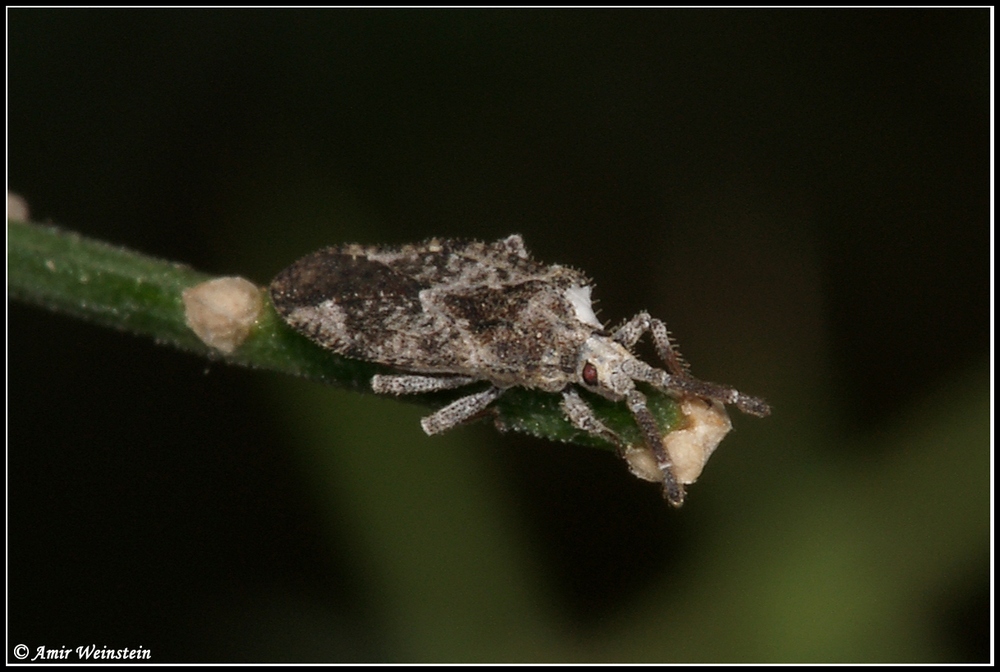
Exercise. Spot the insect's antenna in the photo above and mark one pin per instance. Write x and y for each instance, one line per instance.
(688, 384)
(673, 491)
(727, 395)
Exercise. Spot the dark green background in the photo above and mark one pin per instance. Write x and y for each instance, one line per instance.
(802, 195)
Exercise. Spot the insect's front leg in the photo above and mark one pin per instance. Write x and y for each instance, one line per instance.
(582, 416)
(673, 491)
(629, 334)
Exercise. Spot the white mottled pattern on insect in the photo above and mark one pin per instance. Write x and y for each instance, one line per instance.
(447, 313)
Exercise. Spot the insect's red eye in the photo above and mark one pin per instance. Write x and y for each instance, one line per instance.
(590, 374)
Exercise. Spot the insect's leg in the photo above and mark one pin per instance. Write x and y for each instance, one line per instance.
(407, 384)
(459, 411)
(672, 490)
(629, 334)
(640, 460)
(581, 415)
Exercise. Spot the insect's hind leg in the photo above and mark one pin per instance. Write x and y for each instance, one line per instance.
(413, 384)
(459, 411)
(443, 419)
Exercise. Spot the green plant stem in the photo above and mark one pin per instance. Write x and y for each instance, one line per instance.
(68, 273)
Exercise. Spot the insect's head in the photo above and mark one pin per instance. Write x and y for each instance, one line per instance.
(602, 367)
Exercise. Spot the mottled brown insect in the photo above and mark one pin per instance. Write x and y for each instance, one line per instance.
(447, 313)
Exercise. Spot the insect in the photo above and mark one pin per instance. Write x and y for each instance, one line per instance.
(448, 313)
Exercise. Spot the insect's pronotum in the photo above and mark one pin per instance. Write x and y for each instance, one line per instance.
(448, 313)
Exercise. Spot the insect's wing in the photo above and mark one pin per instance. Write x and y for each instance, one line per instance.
(347, 303)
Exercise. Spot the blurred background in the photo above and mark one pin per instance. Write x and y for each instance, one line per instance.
(803, 196)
